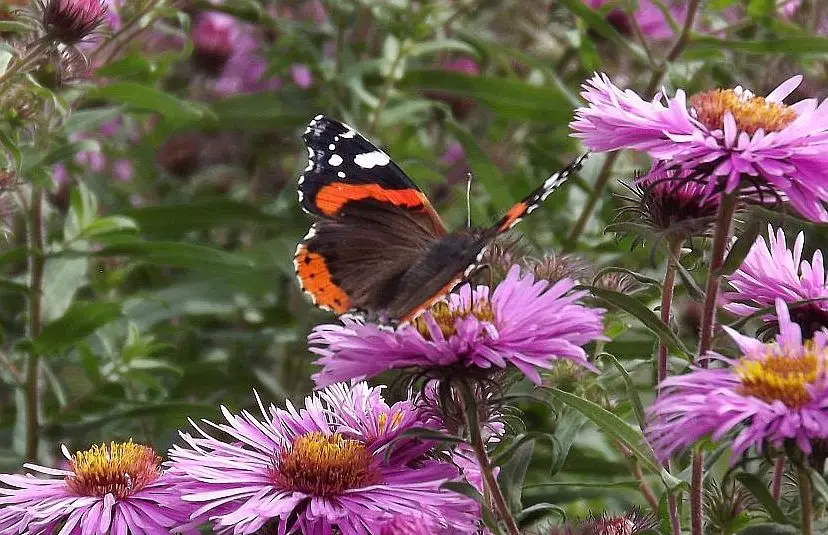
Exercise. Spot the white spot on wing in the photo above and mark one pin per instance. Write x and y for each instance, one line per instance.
(311, 233)
(348, 134)
(340, 174)
(331, 146)
(371, 159)
(335, 160)
(318, 117)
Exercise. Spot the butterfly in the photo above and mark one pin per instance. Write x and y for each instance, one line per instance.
(378, 248)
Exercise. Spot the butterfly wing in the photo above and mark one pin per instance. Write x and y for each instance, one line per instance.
(372, 221)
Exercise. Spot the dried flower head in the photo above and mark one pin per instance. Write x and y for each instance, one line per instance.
(634, 522)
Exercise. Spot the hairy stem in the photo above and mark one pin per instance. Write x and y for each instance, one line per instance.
(486, 468)
(778, 473)
(721, 236)
(36, 262)
(805, 499)
(645, 488)
(667, 301)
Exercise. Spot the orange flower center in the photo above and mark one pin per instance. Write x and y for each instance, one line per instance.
(324, 465)
(120, 469)
(750, 112)
(446, 318)
(781, 376)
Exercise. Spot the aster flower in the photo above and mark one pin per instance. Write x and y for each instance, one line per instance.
(668, 205)
(213, 40)
(71, 21)
(771, 271)
(325, 468)
(117, 489)
(525, 323)
(723, 136)
(775, 393)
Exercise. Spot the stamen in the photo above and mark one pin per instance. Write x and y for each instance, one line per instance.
(120, 469)
(750, 112)
(782, 376)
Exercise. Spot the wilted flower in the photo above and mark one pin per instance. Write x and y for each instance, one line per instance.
(118, 489)
(775, 393)
(525, 323)
(648, 16)
(632, 523)
(71, 21)
(329, 467)
(771, 271)
(723, 137)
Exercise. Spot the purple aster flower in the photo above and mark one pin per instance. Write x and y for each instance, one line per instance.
(723, 135)
(771, 271)
(526, 323)
(301, 75)
(214, 38)
(774, 393)
(115, 489)
(71, 21)
(325, 468)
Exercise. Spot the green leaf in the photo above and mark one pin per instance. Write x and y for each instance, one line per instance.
(540, 511)
(509, 98)
(108, 225)
(646, 316)
(12, 26)
(425, 433)
(179, 218)
(613, 426)
(740, 248)
(62, 278)
(258, 111)
(513, 473)
(148, 98)
(483, 168)
(769, 529)
(178, 254)
(801, 45)
(86, 120)
(760, 491)
(632, 392)
(81, 320)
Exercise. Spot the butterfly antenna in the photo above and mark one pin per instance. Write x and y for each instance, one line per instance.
(468, 199)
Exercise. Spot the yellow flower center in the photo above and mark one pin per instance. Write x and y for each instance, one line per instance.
(446, 318)
(324, 465)
(781, 376)
(750, 112)
(120, 469)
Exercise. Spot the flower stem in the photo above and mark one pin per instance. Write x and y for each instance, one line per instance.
(721, 236)
(36, 264)
(778, 473)
(24, 61)
(805, 499)
(486, 468)
(667, 301)
(388, 87)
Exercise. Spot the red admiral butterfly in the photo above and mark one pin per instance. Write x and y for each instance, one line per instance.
(378, 246)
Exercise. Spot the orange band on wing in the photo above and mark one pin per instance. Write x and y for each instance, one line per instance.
(315, 279)
(509, 218)
(332, 197)
(411, 316)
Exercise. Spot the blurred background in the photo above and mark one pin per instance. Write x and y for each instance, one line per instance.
(169, 146)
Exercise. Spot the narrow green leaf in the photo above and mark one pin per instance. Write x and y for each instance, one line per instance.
(176, 219)
(81, 320)
(513, 473)
(148, 98)
(800, 45)
(760, 491)
(613, 426)
(431, 434)
(9, 144)
(507, 97)
(85, 120)
(689, 283)
(178, 254)
(740, 248)
(646, 316)
(632, 393)
(257, 111)
(769, 529)
(540, 511)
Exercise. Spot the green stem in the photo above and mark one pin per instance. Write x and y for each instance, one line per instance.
(387, 88)
(32, 56)
(597, 191)
(805, 499)
(486, 468)
(36, 264)
(721, 237)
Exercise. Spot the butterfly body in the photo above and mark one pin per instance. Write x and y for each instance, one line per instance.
(378, 247)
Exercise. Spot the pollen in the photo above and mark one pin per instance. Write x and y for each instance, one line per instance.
(120, 469)
(447, 317)
(781, 376)
(750, 112)
(324, 465)
(383, 424)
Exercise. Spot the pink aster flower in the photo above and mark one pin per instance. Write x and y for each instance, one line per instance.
(71, 21)
(325, 468)
(725, 136)
(214, 39)
(771, 271)
(526, 323)
(774, 393)
(116, 489)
